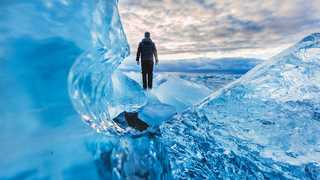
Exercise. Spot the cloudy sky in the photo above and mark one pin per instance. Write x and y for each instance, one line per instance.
(219, 28)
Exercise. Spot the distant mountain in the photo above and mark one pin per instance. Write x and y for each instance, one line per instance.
(225, 65)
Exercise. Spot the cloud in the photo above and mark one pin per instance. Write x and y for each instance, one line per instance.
(221, 26)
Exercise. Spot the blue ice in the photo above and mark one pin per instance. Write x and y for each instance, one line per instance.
(59, 62)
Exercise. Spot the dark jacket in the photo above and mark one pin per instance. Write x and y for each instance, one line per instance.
(147, 49)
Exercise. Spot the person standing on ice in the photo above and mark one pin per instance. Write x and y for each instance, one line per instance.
(147, 51)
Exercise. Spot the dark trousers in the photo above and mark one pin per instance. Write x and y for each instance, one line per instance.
(147, 73)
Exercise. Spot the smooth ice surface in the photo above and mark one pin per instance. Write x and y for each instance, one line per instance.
(264, 125)
(179, 93)
(155, 112)
(171, 94)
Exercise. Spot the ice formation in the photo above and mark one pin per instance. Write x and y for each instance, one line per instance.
(265, 125)
(92, 28)
(41, 136)
(179, 93)
(99, 92)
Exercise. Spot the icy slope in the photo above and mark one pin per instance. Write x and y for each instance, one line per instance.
(265, 125)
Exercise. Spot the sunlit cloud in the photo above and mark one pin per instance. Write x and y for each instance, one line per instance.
(220, 28)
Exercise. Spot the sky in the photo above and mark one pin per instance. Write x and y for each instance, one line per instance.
(219, 28)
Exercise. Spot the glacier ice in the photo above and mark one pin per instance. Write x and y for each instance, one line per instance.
(155, 112)
(41, 136)
(264, 125)
(99, 92)
(171, 94)
(179, 93)
(131, 158)
(93, 29)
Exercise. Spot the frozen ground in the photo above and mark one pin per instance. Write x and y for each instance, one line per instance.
(264, 125)
(212, 81)
(43, 137)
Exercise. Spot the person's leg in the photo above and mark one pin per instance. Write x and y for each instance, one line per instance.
(144, 80)
(150, 75)
(144, 74)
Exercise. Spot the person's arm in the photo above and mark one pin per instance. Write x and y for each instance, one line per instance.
(155, 53)
(138, 53)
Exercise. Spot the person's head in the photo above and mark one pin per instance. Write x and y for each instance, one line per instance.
(147, 35)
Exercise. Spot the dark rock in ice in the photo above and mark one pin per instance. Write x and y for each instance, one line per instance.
(134, 122)
(131, 119)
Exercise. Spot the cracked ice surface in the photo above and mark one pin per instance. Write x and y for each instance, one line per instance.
(264, 125)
